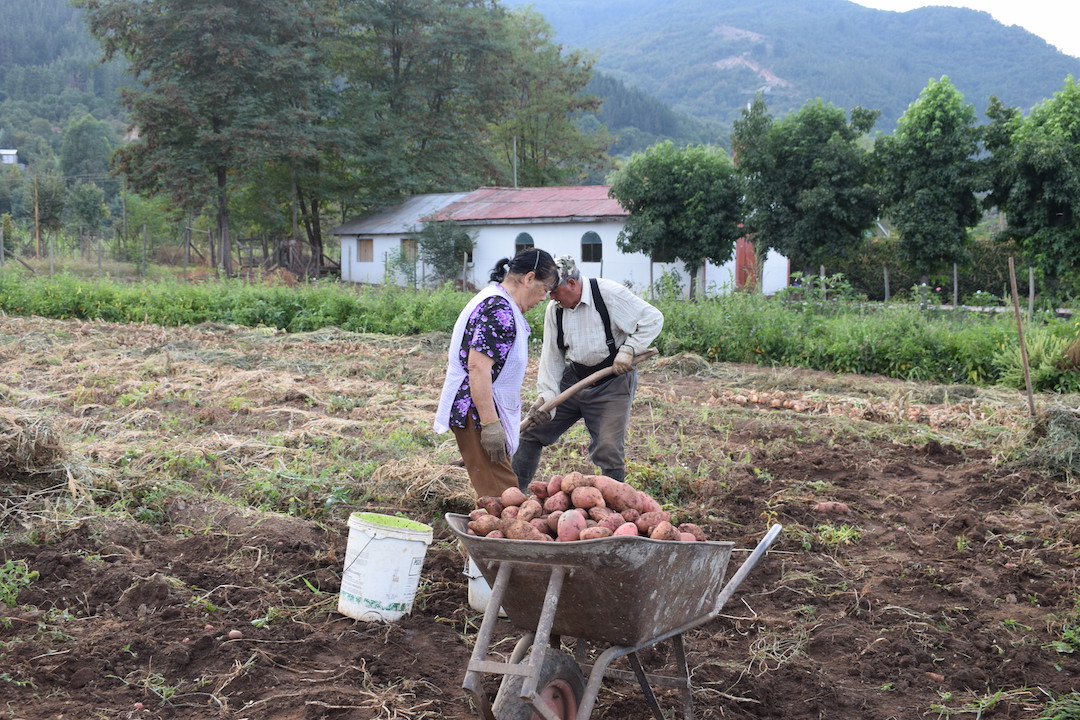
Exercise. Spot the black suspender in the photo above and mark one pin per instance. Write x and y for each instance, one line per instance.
(601, 307)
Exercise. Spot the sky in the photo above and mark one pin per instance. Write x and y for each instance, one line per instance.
(1055, 21)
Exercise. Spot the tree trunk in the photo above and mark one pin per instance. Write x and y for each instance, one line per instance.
(223, 222)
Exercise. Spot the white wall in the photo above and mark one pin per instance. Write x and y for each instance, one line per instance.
(494, 242)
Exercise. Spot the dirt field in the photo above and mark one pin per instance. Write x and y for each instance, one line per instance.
(154, 479)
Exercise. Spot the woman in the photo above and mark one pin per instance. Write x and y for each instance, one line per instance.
(481, 397)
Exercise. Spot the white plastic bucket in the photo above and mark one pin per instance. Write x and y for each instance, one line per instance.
(383, 560)
(479, 590)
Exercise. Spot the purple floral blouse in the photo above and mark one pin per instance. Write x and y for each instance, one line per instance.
(490, 330)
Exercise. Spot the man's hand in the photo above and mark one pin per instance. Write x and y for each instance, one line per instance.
(493, 439)
(537, 416)
(624, 361)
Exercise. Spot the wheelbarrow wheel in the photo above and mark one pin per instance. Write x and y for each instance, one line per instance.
(561, 686)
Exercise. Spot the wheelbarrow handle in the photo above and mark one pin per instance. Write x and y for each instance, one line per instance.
(747, 565)
(573, 389)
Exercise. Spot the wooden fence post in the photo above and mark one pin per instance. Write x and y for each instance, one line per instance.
(885, 272)
(955, 288)
(1020, 334)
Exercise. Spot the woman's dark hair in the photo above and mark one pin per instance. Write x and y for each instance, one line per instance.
(528, 260)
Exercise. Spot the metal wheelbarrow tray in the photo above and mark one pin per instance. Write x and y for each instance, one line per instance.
(623, 592)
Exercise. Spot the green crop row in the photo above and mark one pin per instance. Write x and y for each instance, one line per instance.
(900, 340)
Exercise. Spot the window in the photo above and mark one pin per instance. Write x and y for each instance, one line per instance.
(592, 249)
(408, 249)
(523, 241)
(365, 250)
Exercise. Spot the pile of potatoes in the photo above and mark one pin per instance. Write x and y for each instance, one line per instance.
(576, 507)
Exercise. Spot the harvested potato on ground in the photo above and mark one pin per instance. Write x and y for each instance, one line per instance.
(512, 496)
(492, 504)
(585, 497)
(558, 501)
(595, 533)
(663, 531)
(571, 523)
(600, 481)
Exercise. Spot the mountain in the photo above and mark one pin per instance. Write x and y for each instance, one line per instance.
(708, 58)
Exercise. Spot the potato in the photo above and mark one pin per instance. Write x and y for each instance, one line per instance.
(492, 504)
(630, 515)
(554, 484)
(620, 496)
(595, 533)
(530, 509)
(832, 506)
(572, 481)
(512, 496)
(485, 524)
(585, 497)
(539, 488)
(520, 530)
(687, 537)
(496, 534)
(694, 530)
(599, 512)
(571, 523)
(612, 521)
(663, 531)
(553, 521)
(478, 512)
(510, 512)
(647, 502)
(558, 501)
(649, 520)
(627, 528)
(541, 525)
(600, 481)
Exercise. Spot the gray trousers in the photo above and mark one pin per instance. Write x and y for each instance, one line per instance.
(605, 408)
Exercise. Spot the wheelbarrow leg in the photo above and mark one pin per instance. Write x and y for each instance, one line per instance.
(483, 641)
(684, 675)
(646, 689)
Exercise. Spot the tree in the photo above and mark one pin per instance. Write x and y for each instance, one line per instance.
(443, 247)
(929, 176)
(1034, 177)
(809, 188)
(224, 87)
(684, 204)
(539, 133)
(85, 149)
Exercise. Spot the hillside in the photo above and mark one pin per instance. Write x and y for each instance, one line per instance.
(709, 58)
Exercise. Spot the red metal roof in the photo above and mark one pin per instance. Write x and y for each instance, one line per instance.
(551, 204)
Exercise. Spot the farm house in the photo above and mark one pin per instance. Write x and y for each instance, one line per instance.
(578, 220)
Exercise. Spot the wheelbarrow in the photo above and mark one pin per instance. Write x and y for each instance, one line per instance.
(623, 594)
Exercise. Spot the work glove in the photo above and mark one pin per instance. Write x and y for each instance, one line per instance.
(624, 360)
(493, 439)
(537, 416)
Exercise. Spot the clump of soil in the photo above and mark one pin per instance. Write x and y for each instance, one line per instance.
(921, 572)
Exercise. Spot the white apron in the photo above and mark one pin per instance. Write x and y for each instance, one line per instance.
(506, 389)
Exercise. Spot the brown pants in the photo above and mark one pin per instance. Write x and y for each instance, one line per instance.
(487, 477)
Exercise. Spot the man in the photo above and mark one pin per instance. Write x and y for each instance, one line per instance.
(590, 324)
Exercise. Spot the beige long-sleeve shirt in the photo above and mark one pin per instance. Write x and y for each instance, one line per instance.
(634, 322)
